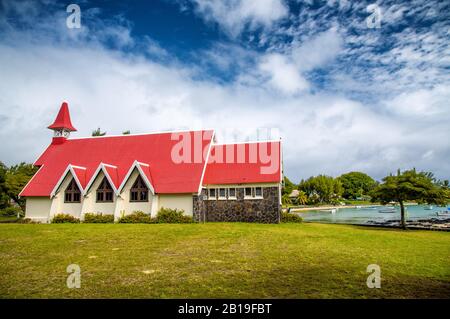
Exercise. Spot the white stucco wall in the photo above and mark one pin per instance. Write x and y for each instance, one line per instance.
(124, 206)
(58, 205)
(44, 208)
(90, 204)
(178, 201)
(38, 208)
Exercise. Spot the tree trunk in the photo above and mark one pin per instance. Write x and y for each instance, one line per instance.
(402, 213)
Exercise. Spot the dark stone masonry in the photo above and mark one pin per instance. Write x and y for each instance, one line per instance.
(265, 210)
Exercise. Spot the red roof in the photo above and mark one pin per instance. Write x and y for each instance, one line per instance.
(154, 150)
(152, 155)
(257, 162)
(62, 120)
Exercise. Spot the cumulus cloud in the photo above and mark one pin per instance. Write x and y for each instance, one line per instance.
(282, 74)
(236, 15)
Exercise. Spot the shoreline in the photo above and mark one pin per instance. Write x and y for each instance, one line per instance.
(326, 207)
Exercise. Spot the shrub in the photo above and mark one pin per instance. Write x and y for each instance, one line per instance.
(290, 218)
(65, 218)
(137, 217)
(27, 221)
(98, 218)
(172, 216)
(11, 211)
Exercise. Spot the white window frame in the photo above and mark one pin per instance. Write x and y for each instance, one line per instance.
(209, 194)
(245, 193)
(235, 193)
(258, 196)
(220, 197)
(253, 193)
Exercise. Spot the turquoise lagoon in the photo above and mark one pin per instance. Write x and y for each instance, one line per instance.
(369, 214)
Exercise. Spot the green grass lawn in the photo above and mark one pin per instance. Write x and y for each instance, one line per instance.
(221, 260)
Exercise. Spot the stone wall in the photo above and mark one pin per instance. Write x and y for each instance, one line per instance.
(266, 210)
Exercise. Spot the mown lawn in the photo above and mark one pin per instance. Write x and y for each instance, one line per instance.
(221, 260)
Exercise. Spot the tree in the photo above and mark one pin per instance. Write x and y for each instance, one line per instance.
(16, 178)
(98, 132)
(4, 199)
(322, 188)
(286, 200)
(288, 186)
(302, 198)
(356, 184)
(127, 132)
(410, 185)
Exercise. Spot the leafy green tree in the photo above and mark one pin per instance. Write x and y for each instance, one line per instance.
(356, 184)
(17, 177)
(98, 132)
(286, 200)
(127, 132)
(4, 199)
(322, 189)
(408, 186)
(288, 186)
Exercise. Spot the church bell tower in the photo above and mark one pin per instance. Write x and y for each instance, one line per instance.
(62, 126)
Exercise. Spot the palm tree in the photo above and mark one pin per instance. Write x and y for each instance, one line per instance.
(302, 198)
(286, 200)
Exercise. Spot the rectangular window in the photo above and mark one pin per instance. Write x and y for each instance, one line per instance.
(212, 193)
(222, 193)
(99, 197)
(76, 197)
(248, 192)
(253, 193)
(232, 193)
(109, 197)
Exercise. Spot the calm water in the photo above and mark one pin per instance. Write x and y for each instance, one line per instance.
(365, 214)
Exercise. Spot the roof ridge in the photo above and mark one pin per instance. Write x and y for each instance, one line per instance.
(137, 134)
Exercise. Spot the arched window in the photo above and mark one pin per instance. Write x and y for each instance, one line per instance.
(139, 191)
(104, 191)
(72, 193)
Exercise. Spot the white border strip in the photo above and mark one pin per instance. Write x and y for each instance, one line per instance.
(63, 176)
(206, 162)
(139, 134)
(137, 165)
(26, 185)
(101, 167)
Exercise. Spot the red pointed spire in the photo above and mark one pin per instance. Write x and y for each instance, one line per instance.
(62, 120)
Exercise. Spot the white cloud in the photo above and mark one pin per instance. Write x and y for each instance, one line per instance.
(318, 51)
(283, 74)
(235, 15)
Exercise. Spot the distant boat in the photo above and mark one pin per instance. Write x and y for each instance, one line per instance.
(358, 207)
(387, 210)
(444, 213)
(333, 210)
(429, 207)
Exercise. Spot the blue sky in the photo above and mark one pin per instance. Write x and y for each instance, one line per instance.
(342, 95)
